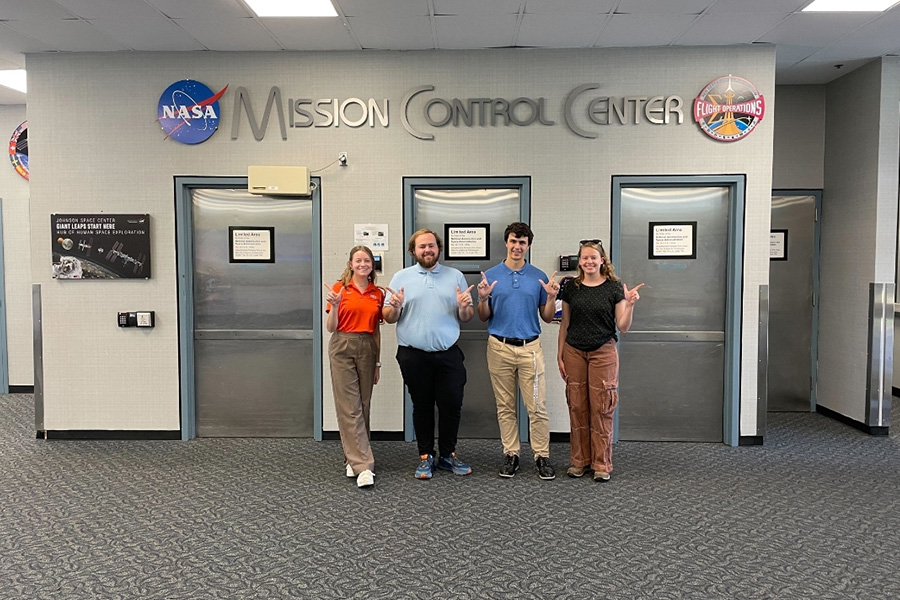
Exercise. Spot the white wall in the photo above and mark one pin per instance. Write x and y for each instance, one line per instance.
(859, 224)
(799, 142)
(111, 98)
(14, 190)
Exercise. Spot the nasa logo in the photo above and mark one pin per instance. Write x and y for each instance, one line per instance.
(188, 111)
(729, 108)
(18, 150)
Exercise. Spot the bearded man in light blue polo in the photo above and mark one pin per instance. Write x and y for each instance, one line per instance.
(511, 296)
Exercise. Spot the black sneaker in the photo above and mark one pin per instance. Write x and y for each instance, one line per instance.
(510, 466)
(544, 468)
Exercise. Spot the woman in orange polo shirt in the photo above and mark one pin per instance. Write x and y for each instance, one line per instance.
(354, 353)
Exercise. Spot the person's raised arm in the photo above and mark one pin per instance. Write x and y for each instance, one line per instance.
(464, 300)
(391, 311)
(548, 310)
(484, 294)
(625, 307)
(334, 300)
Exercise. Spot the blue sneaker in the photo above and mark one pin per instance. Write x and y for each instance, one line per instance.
(451, 463)
(426, 468)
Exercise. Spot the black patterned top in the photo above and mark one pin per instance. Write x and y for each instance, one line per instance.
(592, 313)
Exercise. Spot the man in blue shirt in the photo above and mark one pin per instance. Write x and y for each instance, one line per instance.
(511, 295)
(427, 301)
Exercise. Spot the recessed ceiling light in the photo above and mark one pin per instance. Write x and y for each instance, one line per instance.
(14, 79)
(849, 5)
(292, 8)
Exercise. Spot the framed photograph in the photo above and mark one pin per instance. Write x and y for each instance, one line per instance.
(466, 242)
(673, 239)
(101, 246)
(778, 244)
(251, 244)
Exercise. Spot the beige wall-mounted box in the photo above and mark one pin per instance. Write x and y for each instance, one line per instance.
(278, 181)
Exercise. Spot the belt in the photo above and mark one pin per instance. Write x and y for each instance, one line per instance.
(514, 341)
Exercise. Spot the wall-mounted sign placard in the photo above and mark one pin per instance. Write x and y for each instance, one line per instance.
(374, 236)
(251, 244)
(466, 241)
(100, 246)
(673, 239)
(778, 244)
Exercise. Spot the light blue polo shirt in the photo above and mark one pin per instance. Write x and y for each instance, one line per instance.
(429, 319)
(515, 300)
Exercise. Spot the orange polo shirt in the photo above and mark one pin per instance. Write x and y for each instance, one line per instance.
(359, 312)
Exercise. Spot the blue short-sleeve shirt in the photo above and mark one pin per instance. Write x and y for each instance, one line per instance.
(516, 300)
(429, 318)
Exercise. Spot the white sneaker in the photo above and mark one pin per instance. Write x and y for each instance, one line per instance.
(365, 479)
(350, 472)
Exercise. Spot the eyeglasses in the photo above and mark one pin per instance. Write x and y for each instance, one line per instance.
(594, 241)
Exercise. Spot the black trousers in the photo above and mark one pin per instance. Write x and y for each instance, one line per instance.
(434, 379)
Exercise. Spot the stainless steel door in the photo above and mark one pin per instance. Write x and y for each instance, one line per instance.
(791, 289)
(672, 363)
(497, 207)
(253, 322)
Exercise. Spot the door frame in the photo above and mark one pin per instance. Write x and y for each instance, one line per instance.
(410, 185)
(736, 185)
(184, 253)
(814, 339)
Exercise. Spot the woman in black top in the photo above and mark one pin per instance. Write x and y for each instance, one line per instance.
(594, 305)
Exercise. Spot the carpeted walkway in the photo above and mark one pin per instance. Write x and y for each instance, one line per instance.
(815, 513)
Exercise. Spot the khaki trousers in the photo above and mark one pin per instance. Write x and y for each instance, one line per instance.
(592, 381)
(522, 365)
(353, 357)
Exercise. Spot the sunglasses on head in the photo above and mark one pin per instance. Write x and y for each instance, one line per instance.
(594, 241)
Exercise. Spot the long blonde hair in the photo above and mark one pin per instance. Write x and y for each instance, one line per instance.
(606, 269)
(347, 276)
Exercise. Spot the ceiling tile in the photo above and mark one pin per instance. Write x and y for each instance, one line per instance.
(781, 7)
(477, 7)
(565, 7)
(813, 72)
(13, 41)
(655, 7)
(70, 36)
(180, 9)
(721, 29)
(644, 30)
(386, 33)
(788, 54)
(560, 31)
(229, 34)
(109, 9)
(473, 31)
(384, 8)
(17, 10)
(816, 29)
(159, 35)
(311, 34)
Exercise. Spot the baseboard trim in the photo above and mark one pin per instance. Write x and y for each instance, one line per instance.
(870, 429)
(376, 436)
(895, 391)
(750, 440)
(21, 389)
(104, 434)
(559, 437)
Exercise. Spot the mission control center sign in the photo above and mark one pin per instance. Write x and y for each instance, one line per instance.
(189, 111)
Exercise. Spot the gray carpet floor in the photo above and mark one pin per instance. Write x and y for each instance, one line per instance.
(814, 513)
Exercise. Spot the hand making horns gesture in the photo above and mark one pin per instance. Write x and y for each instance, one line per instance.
(396, 298)
(485, 288)
(333, 298)
(552, 286)
(464, 299)
(632, 295)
